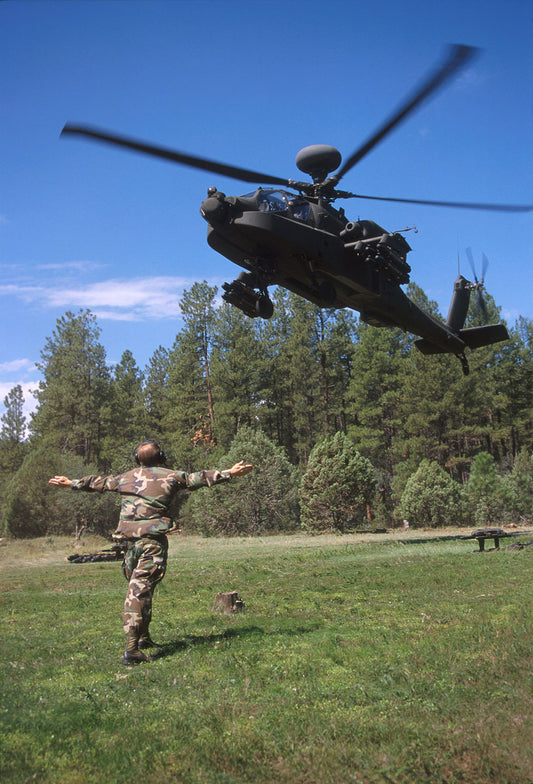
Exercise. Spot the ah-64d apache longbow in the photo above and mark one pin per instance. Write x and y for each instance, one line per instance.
(297, 240)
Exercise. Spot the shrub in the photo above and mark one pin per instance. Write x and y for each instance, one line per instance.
(485, 492)
(519, 489)
(262, 502)
(31, 507)
(337, 486)
(431, 497)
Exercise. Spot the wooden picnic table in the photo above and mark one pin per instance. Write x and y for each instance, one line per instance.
(482, 534)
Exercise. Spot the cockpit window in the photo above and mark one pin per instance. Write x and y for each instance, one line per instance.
(272, 201)
(300, 209)
(282, 202)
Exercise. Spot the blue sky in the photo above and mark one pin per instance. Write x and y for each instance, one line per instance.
(250, 83)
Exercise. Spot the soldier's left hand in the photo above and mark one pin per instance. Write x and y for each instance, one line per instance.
(241, 468)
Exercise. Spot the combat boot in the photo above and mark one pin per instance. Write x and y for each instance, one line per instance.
(132, 654)
(135, 657)
(145, 641)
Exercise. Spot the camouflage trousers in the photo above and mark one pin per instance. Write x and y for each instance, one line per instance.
(144, 566)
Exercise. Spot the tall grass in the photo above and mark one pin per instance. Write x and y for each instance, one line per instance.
(353, 661)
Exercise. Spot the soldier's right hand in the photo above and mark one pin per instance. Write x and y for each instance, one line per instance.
(60, 481)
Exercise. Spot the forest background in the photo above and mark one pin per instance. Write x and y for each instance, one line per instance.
(348, 425)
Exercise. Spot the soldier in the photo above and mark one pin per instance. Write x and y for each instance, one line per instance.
(147, 492)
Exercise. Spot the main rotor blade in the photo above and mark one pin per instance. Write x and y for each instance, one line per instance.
(457, 56)
(461, 204)
(235, 172)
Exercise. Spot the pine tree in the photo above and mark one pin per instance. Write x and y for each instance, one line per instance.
(155, 392)
(188, 424)
(299, 376)
(373, 405)
(519, 485)
(198, 313)
(339, 346)
(74, 393)
(274, 410)
(234, 373)
(126, 420)
(513, 380)
(426, 403)
(185, 425)
(13, 419)
(13, 446)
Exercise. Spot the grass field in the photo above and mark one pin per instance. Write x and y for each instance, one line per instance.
(357, 659)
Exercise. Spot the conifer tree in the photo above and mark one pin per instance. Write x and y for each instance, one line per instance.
(426, 403)
(74, 392)
(264, 502)
(431, 498)
(186, 426)
(234, 373)
(188, 422)
(13, 445)
(513, 381)
(155, 392)
(373, 409)
(197, 308)
(298, 363)
(274, 409)
(13, 419)
(485, 492)
(339, 346)
(32, 508)
(519, 485)
(126, 419)
(337, 486)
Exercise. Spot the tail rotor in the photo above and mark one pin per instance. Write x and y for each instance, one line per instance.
(478, 285)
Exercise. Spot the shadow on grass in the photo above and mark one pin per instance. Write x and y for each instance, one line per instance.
(191, 640)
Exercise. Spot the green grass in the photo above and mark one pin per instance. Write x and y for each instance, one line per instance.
(354, 661)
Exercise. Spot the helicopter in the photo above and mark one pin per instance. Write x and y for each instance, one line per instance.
(288, 234)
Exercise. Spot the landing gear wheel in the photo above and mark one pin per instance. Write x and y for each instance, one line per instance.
(264, 307)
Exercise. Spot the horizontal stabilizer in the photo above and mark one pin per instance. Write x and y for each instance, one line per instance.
(427, 347)
(484, 336)
(474, 337)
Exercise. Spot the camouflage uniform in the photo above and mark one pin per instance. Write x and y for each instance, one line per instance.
(146, 496)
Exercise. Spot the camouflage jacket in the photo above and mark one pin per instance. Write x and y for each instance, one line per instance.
(146, 495)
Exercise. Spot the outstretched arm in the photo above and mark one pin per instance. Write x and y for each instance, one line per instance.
(241, 468)
(60, 481)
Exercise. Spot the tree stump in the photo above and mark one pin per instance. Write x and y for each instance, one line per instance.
(228, 603)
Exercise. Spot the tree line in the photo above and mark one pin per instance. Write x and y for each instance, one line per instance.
(348, 424)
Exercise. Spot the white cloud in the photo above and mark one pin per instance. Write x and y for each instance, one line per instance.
(15, 365)
(76, 266)
(118, 299)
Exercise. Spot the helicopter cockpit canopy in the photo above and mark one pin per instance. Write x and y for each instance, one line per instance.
(281, 202)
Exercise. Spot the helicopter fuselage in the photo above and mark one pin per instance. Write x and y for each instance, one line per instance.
(310, 248)
(300, 242)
